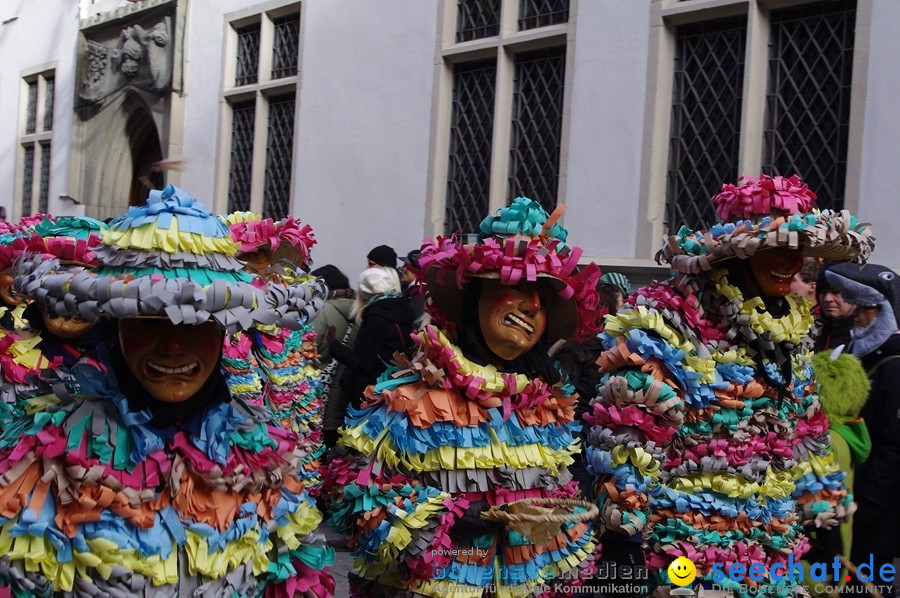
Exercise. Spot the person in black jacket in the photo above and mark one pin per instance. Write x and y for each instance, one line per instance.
(385, 322)
(876, 341)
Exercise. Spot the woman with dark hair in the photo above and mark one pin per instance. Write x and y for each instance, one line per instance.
(477, 419)
(334, 322)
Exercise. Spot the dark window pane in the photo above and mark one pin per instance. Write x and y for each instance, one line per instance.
(476, 19)
(247, 55)
(44, 189)
(286, 46)
(537, 125)
(706, 118)
(240, 168)
(279, 152)
(471, 131)
(27, 179)
(48, 103)
(808, 103)
(31, 108)
(541, 13)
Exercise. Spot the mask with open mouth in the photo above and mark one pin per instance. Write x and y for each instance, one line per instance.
(774, 270)
(172, 362)
(513, 319)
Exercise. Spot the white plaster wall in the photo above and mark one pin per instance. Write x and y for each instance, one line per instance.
(879, 201)
(44, 31)
(361, 165)
(203, 64)
(608, 91)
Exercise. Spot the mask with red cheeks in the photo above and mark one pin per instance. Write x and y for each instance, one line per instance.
(774, 270)
(172, 362)
(512, 318)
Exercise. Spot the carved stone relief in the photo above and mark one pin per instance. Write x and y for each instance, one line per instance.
(137, 52)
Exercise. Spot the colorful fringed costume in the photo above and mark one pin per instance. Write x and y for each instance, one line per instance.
(441, 433)
(29, 356)
(97, 497)
(280, 365)
(708, 437)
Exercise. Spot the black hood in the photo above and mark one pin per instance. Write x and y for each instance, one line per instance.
(395, 309)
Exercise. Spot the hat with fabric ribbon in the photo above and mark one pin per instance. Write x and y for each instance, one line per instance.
(17, 238)
(286, 239)
(69, 238)
(521, 243)
(767, 213)
(169, 258)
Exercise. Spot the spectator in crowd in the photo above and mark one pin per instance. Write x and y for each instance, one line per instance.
(385, 323)
(622, 287)
(411, 292)
(804, 282)
(875, 340)
(384, 256)
(336, 322)
(843, 388)
(835, 314)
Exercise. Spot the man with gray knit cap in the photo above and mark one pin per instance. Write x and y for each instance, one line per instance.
(875, 340)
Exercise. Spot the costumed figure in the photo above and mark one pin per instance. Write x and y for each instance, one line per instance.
(708, 439)
(35, 357)
(476, 419)
(283, 363)
(152, 480)
(14, 239)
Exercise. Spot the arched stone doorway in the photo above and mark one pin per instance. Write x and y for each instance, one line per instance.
(145, 152)
(117, 146)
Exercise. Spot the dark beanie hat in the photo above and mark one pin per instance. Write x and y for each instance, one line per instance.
(334, 278)
(383, 256)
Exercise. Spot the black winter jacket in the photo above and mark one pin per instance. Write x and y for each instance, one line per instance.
(385, 329)
(877, 481)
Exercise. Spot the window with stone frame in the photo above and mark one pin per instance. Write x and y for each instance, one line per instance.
(259, 100)
(36, 133)
(757, 90)
(501, 112)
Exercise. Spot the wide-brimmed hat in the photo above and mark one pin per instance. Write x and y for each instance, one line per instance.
(521, 243)
(286, 239)
(767, 213)
(169, 258)
(17, 238)
(70, 239)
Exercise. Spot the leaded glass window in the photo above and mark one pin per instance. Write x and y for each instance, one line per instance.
(808, 103)
(279, 154)
(471, 131)
(48, 103)
(27, 179)
(286, 46)
(706, 113)
(476, 19)
(247, 68)
(243, 116)
(537, 125)
(31, 109)
(541, 13)
(44, 188)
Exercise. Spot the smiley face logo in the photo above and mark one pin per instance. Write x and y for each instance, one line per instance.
(682, 571)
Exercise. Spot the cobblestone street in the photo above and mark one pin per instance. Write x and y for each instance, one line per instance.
(342, 561)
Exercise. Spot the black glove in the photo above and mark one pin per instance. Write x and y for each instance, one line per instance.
(470, 524)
